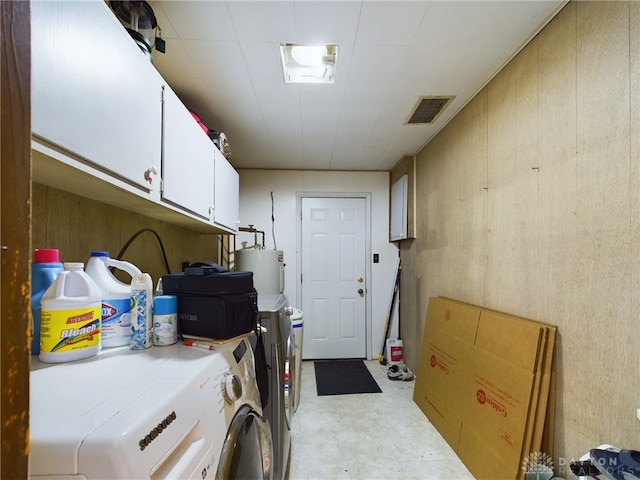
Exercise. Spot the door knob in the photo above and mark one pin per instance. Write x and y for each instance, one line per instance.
(360, 280)
(361, 292)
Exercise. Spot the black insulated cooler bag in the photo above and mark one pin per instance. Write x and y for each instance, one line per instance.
(217, 304)
(212, 302)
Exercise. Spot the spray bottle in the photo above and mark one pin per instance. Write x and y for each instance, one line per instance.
(141, 312)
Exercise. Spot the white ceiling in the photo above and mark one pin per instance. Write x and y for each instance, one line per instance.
(222, 59)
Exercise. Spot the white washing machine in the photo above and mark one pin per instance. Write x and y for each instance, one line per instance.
(173, 412)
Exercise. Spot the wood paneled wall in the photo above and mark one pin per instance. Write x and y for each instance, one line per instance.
(529, 202)
(77, 225)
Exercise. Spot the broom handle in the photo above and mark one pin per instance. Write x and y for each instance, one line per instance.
(396, 285)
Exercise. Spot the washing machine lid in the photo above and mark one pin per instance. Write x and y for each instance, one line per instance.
(271, 302)
(296, 317)
(122, 415)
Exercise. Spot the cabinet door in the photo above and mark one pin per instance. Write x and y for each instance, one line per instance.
(94, 93)
(227, 195)
(187, 160)
(398, 224)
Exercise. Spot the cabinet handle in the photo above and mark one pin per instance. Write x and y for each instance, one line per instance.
(149, 174)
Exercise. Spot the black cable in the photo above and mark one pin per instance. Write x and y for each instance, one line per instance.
(135, 235)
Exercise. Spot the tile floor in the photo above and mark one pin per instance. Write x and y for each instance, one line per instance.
(367, 436)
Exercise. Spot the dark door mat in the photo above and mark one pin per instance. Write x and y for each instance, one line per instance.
(343, 377)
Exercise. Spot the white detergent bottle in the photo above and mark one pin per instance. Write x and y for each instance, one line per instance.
(70, 317)
(116, 298)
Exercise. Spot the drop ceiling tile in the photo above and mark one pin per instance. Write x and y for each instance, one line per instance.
(222, 65)
(512, 23)
(452, 24)
(181, 74)
(390, 22)
(262, 21)
(195, 20)
(263, 62)
(362, 118)
(277, 110)
(374, 62)
(326, 22)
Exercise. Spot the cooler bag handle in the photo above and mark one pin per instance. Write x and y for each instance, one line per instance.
(204, 268)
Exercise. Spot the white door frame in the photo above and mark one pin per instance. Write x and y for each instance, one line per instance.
(367, 240)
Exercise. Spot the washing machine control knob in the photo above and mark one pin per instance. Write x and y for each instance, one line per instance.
(288, 310)
(232, 387)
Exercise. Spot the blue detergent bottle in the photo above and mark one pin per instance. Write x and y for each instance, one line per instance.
(45, 269)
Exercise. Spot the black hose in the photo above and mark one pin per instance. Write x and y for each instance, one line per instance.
(135, 235)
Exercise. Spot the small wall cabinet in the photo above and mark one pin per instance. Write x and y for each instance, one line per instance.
(402, 200)
(106, 126)
(399, 191)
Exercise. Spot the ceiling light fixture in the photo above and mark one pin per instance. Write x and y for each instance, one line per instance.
(308, 63)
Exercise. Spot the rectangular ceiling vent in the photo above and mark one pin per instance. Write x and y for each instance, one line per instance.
(428, 109)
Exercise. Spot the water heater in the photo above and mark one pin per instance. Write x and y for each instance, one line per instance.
(267, 267)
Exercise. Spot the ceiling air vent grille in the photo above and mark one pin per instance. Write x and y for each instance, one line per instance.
(427, 110)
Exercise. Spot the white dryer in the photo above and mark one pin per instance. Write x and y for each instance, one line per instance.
(275, 317)
(172, 412)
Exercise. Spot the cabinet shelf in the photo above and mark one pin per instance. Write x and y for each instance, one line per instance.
(61, 170)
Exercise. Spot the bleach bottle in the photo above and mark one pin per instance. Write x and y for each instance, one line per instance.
(70, 317)
(116, 298)
(45, 269)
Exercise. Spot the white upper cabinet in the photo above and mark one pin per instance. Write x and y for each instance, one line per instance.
(94, 94)
(188, 160)
(227, 194)
(106, 126)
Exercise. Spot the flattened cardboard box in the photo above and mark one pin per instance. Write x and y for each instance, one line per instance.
(488, 408)
(540, 425)
(496, 413)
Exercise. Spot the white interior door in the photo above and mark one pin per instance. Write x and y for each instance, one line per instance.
(333, 277)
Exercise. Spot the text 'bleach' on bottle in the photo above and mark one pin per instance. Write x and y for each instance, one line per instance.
(116, 297)
(70, 317)
(45, 269)
(141, 311)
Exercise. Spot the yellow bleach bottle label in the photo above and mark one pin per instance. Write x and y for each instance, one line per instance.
(70, 318)
(68, 330)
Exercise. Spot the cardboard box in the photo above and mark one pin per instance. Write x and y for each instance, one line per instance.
(484, 380)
